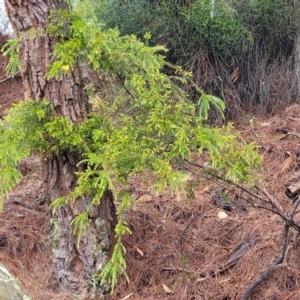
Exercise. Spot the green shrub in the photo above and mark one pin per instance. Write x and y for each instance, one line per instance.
(145, 126)
(130, 17)
(217, 28)
(227, 29)
(273, 23)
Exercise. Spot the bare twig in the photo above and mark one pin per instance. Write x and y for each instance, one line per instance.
(183, 233)
(288, 218)
(252, 128)
(9, 77)
(295, 206)
(277, 208)
(263, 276)
(122, 82)
(278, 263)
(272, 200)
(291, 133)
(210, 173)
(214, 179)
(127, 297)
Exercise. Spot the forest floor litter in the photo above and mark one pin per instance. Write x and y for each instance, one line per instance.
(192, 248)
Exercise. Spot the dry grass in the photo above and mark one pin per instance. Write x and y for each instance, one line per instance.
(257, 85)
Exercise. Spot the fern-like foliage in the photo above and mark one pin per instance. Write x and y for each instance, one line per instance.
(21, 133)
(141, 123)
(11, 49)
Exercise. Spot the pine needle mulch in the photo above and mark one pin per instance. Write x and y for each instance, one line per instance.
(184, 250)
(180, 249)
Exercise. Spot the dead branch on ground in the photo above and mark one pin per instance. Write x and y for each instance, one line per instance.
(10, 77)
(280, 262)
(276, 207)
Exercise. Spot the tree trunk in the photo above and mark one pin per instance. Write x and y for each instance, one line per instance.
(73, 266)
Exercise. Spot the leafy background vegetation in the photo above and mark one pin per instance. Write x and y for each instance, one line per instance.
(253, 38)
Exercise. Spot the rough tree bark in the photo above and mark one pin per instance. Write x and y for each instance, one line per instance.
(73, 266)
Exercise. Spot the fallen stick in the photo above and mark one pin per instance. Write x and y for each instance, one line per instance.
(263, 276)
(280, 262)
(9, 77)
(127, 297)
(290, 133)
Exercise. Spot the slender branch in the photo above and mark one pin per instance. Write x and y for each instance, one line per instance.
(176, 269)
(225, 180)
(9, 77)
(280, 262)
(283, 252)
(122, 81)
(273, 201)
(124, 86)
(127, 297)
(276, 265)
(263, 276)
(252, 204)
(276, 206)
(290, 133)
(255, 205)
(252, 128)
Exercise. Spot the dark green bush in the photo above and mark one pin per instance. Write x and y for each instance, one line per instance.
(130, 17)
(219, 29)
(225, 28)
(273, 23)
(215, 38)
